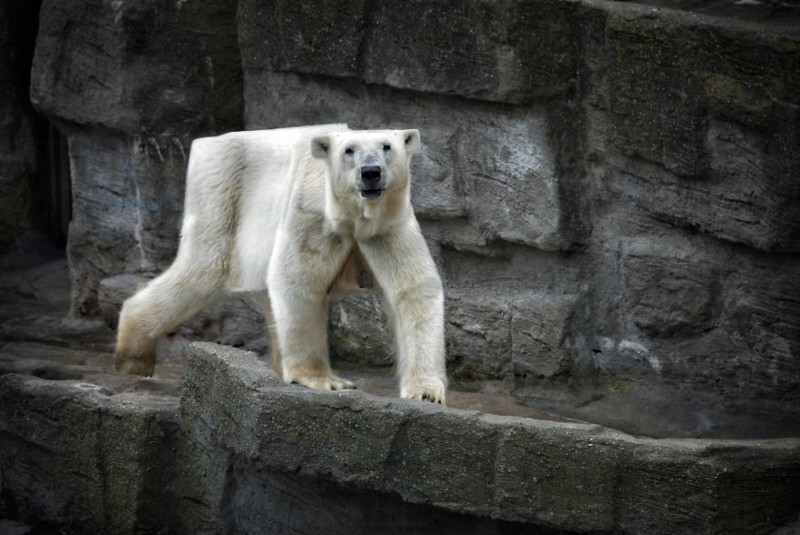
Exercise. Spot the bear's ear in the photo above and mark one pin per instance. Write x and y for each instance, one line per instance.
(411, 140)
(320, 146)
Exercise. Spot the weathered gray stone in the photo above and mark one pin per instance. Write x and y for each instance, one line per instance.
(477, 326)
(17, 149)
(509, 180)
(668, 294)
(274, 98)
(255, 454)
(76, 456)
(533, 475)
(359, 331)
(760, 315)
(236, 321)
(249, 428)
(130, 121)
(127, 204)
(715, 480)
(102, 232)
(485, 161)
(146, 68)
(113, 291)
(712, 104)
(497, 326)
(15, 195)
(507, 52)
(629, 170)
(304, 44)
(540, 325)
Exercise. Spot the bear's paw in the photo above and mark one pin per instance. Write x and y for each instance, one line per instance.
(324, 382)
(428, 389)
(133, 363)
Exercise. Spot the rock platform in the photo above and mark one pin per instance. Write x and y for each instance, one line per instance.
(217, 443)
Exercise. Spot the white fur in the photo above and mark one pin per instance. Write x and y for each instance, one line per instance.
(280, 213)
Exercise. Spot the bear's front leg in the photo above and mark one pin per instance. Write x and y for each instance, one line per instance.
(301, 324)
(407, 275)
(419, 326)
(298, 280)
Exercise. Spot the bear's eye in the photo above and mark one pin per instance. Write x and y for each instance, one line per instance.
(348, 151)
(387, 148)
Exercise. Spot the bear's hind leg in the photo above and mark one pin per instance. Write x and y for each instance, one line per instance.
(135, 354)
(165, 302)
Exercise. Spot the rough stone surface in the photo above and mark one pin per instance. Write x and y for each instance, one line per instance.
(66, 359)
(658, 170)
(708, 103)
(487, 162)
(17, 143)
(80, 458)
(564, 476)
(358, 330)
(234, 449)
(608, 187)
(506, 52)
(248, 452)
(236, 322)
(131, 85)
(143, 68)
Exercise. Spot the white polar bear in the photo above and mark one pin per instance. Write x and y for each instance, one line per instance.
(292, 215)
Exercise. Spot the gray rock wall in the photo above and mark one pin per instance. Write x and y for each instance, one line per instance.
(609, 190)
(17, 144)
(132, 84)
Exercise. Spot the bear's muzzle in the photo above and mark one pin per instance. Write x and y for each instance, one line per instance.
(372, 183)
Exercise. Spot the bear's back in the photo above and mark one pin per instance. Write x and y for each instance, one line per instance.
(266, 161)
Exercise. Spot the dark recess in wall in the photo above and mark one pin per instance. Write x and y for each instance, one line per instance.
(51, 197)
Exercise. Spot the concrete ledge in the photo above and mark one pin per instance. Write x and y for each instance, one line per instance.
(564, 476)
(84, 459)
(241, 452)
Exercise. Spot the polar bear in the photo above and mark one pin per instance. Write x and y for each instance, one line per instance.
(292, 215)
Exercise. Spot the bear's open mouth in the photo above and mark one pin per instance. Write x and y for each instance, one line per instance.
(371, 193)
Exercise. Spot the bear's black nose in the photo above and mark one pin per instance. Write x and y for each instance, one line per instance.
(370, 173)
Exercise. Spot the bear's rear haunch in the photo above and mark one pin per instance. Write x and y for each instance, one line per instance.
(292, 215)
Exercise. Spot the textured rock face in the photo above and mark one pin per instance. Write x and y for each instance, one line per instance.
(260, 454)
(718, 120)
(143, 68)
(602, 230)
(609, 190)
(81, 459)
(132, 84)
(17, 148)
(224, 445)
(127, 205)
(496, 51)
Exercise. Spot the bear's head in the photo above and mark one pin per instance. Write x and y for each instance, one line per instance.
(368, 164)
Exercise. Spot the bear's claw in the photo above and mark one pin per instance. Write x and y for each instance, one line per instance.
(329, 382)
(128, 364)
(430, 390)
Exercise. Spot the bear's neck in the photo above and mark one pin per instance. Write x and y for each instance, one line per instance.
(363, 219)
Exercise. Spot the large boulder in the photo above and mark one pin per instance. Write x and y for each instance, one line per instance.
(84, 458)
